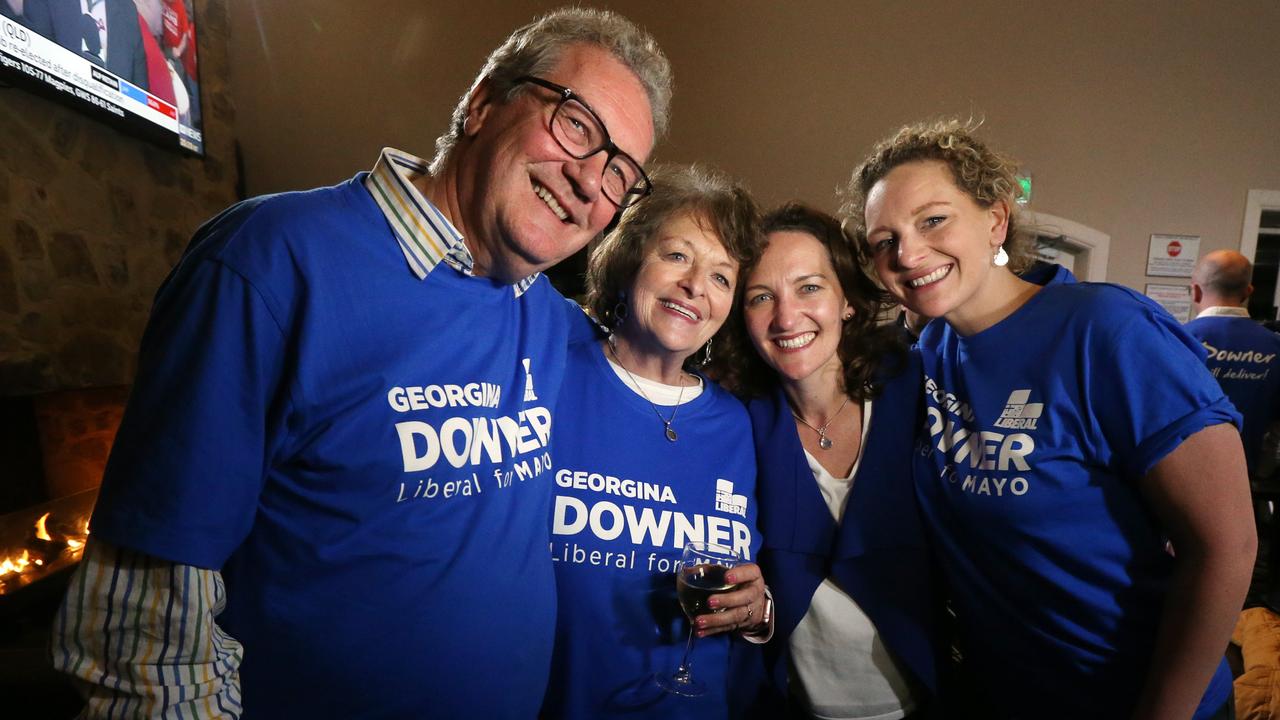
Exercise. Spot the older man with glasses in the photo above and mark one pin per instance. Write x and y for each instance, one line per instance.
(330, 492)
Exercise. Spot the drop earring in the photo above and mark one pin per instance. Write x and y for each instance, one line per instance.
(1001, 257)
(706, 354)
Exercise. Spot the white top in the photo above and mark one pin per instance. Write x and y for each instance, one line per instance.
(839, 665)
(655, 392)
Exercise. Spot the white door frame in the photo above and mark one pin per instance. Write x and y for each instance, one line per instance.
(1258, 201)
(1091, 246)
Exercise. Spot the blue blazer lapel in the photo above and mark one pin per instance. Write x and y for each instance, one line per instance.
(882, 558)
(793, 515)
(881, 510)
(877, 555)
(797, 531)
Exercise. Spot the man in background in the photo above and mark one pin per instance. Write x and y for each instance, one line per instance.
(1243, 355)
(329, 493)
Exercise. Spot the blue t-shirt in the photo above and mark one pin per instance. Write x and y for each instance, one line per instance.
(1038, 429)
(626, 502)
(1241, 356)
(365, 456)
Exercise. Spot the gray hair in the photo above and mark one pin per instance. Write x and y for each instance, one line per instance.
(536, 48)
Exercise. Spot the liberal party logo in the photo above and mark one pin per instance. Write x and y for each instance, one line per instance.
(529, 394)
(1018, 413)
(727, 502)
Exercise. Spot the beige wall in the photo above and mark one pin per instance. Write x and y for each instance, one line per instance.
(1135, 118)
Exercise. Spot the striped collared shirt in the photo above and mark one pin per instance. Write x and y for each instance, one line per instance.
(426, 236)
(138, 636)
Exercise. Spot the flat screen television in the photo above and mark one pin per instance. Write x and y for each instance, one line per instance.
(129, 62)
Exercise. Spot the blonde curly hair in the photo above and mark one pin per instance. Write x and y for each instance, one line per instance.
(983, 174)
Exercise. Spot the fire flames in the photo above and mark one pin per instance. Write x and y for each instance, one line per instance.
(44, 551)
(18, 564)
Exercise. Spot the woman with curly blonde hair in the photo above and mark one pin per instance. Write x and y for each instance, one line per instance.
(1071, 430)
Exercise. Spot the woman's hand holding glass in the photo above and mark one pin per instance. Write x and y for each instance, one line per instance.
(718, 595)
(742, 609)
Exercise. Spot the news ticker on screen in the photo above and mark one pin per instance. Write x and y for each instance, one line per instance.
(56, 67)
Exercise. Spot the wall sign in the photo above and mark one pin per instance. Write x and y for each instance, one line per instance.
(1172, 255)
(1174, 298)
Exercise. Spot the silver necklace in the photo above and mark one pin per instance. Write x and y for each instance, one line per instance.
(824, 442)
(666, 422)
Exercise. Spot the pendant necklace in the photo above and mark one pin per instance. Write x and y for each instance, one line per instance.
(666, 422)
(824, 442)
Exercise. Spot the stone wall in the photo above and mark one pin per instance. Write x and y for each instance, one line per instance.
(76, 429)
(91, 221)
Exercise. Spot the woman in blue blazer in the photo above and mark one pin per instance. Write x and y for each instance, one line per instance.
(835, 403)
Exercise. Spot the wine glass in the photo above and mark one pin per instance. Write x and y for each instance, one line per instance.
(701, 574)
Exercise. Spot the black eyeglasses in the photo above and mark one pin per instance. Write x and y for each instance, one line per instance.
(581, 133)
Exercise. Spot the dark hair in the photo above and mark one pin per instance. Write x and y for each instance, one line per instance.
(865, 344)
(716, 203)
(983, 174)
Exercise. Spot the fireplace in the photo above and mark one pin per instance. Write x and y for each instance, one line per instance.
(40, 541)
(55, 447)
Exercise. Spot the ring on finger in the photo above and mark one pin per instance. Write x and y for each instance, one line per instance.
(748, 612)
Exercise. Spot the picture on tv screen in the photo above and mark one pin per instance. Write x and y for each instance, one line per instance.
(131, 61)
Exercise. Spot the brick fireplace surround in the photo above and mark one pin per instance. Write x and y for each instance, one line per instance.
(58, 443)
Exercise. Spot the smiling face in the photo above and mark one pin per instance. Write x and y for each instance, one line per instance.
(932, 244)
(794, 306)
(525, 203)
(682, 292)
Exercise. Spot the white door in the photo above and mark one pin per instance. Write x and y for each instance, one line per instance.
(1079, 248)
